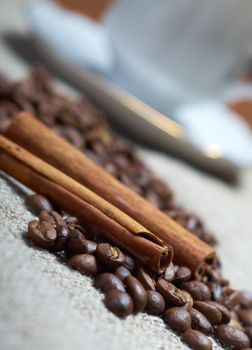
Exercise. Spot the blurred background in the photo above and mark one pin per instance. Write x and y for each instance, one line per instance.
(178, 71)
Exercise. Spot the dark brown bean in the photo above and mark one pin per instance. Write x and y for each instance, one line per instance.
(119, 303)
(245, 299)
(147, 281)
(137, 292)
(200, 322)
(155, 303)
(231, 337)
(231, 298)
(90, 246)
(84, 263)
(122, 272)
(77, 243)
(171, 294)
(38, 203)
(169, 273)
(226, 315)
(108, 281)
(129, 263)
(42, 234)
(62, 238)
(178, 319)
(196, 340)
(110, 256)
(198, 290)
(248, 331)
(182, 275)
(211, 312)
(245, 317)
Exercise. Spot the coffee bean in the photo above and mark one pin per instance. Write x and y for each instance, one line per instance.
(178, 319)
(42, 234)
(111, 257)
(129, 263)
(169, 273)
(226, 315)
(248, 331)
(231, 337)
(108, 281)
(119, 303)
(90, 246)
(147, 281)
(122, 272)
(200, 322)
(62, 238)
(47, 217)
(38, 203)
(77, 243)
(182, 275)
(137, 292)
(155, 302)
(245, 299)
(86, 264)
(198, 290)
(211, 312)
(171, 294)
(196, 340)
(245, 317)
(231, 298)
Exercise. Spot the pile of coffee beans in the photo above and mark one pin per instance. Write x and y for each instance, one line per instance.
(85, 126)
(195, 308)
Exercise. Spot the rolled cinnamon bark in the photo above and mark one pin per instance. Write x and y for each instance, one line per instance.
(40, 140)
(83, 203)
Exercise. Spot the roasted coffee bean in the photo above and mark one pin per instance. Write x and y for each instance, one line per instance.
(231, 337)
(137, 292)
(147, 281)
(248, 331)
(108, 281)
(245, 299)
(226, 315)
(200, 322)
(77, 243)
(178, 319)
(91, 246)
(47, 217)
(42, 234)
(122, 272)
(182, 275)
(62, 239)
(198, 290)
(212, 313)
(119, 303)
(231, 298)
(86, 264)
(129, 263)
(155, 302)
(171, 294)
(196, 340)
(110, 256)
(245, 317)
(170, 272)
(38, 203)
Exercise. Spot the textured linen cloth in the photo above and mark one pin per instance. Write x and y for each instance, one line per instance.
(44, 305)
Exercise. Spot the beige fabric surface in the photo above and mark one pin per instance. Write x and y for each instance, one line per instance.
(45, 305)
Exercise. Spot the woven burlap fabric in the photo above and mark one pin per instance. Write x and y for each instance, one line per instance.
(44, 305)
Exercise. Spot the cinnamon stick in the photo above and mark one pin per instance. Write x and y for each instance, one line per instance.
(40, 140)
(83, 203)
